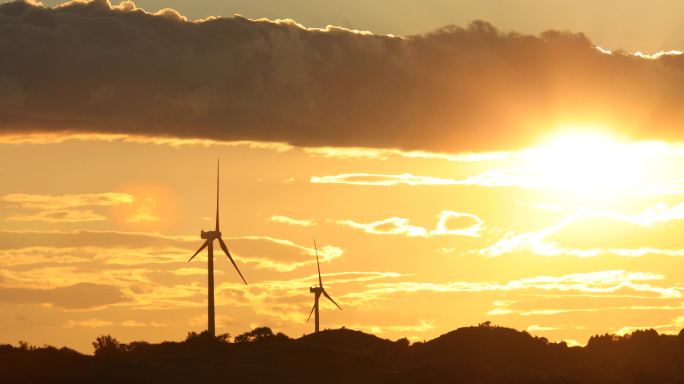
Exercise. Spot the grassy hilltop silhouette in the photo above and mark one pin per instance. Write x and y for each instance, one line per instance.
(481, 354)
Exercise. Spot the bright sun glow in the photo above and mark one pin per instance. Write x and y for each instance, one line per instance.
(583, 159)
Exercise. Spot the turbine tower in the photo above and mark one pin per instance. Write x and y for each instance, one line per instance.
(210, 236)
(318, 291)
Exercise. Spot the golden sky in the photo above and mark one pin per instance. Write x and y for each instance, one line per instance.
(467, 174)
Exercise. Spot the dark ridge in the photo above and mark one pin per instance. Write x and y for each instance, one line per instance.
(348, 340)
(484, 354)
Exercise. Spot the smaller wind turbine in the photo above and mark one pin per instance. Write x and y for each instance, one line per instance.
(210, 236)
(318, 291)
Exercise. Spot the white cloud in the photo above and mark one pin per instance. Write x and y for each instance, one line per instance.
(391, 226)
(287, 220)
(443, 228)
(536, 241)
(533, 328)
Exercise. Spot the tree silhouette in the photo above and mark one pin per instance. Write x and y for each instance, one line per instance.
(108, 347)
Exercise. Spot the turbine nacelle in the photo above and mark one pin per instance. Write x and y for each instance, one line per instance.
(316, 289)
(210, 235)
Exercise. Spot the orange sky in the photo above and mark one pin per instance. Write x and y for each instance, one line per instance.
(465, 182)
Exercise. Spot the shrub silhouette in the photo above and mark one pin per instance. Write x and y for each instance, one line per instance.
(262, 335)
(206, 337)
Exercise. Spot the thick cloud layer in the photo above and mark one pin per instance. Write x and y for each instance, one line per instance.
(88, 67)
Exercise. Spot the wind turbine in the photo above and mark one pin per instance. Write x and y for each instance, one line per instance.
(318, 291)
(210, 236)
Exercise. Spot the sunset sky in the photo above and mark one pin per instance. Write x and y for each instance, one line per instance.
(518, 162)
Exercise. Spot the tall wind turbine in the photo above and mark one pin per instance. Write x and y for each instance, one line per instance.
(210, 236)
(318, 291)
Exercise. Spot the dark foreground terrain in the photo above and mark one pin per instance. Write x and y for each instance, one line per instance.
(483, 354)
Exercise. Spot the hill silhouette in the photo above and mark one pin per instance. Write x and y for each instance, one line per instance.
(481, 354)
(348, 340)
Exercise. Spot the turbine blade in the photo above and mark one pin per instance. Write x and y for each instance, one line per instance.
(312, 309)
(330, 298)
(225, 249)
(199, 250)
(320, 281)
(217, 195)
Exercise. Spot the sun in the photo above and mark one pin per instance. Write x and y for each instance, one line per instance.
(583, 158)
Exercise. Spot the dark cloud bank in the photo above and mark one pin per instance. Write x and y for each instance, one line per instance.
(88, 67)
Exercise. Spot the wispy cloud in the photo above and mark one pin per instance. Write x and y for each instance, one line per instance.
(383, 154)
(287, 220)
(455, 223)
(143, 213)
(60, 137)
(138, 248)
(59, 215)
(371, 179)
(391, 226)
(288, 300)
(37, 255)
(133, 323)
(194, 271)
(56, 207)
(556, 311)
(538, 241)
(424, 326)
(450, 223)
(662, 329)
(601, 282)
(533, 328)
(529, 178)
(67, 201)
(280, 255)
(492, 178)
(92, 323)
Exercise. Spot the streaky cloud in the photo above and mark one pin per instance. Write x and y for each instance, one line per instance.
(545, 241)
(92, 323)
(287, 220)
(59, 215)
(391, 226)
(50, 202)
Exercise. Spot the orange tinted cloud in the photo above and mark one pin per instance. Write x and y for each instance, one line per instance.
(466, 89)
(67, 201)
(135, 248)
(92, 323)
(55, 207)
(59, 215)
